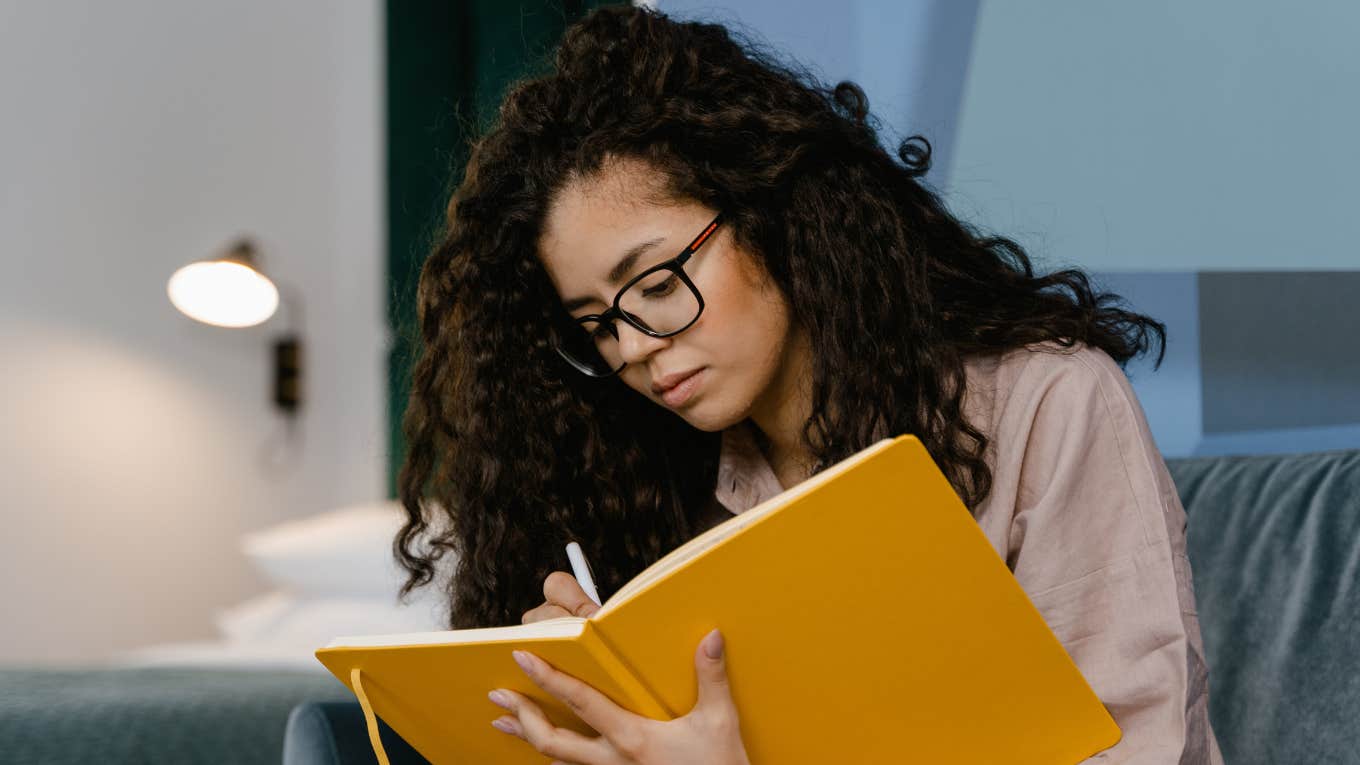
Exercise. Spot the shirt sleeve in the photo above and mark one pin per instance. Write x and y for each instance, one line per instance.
(1097, 541)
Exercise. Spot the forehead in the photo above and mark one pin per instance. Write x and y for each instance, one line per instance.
(591, 221)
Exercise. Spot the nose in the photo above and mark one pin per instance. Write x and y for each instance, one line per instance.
(636, 345)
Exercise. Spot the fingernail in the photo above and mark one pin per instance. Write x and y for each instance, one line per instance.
(506, 725)
(714, 645)
(523, 660)
(499, 699)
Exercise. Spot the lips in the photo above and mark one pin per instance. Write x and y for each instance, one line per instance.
(684, 391)
(667, 382)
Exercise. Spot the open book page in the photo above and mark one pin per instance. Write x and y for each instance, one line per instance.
(562, 626)
(715, 536)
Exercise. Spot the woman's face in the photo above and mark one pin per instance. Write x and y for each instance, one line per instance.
(740, 345)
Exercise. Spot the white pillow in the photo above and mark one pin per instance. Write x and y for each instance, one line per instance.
(314, 623)
(250, 619)
(279, 629)
(341, 553)
(279, 618)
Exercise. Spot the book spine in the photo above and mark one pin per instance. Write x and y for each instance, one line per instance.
(643, 700)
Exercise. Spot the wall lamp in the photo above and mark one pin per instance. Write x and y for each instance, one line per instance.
(233, 291)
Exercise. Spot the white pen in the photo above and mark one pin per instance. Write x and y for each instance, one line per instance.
(581, 569)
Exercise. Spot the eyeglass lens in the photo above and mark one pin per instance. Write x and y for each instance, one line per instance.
(660, 301)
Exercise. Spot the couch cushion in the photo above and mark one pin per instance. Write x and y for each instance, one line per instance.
(153, 715)
(1274, 542)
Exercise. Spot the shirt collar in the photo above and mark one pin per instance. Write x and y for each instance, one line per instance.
(745, 478)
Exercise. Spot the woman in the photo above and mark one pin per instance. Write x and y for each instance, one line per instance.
(676, 280)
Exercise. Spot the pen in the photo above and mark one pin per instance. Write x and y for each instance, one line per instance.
(581, 569)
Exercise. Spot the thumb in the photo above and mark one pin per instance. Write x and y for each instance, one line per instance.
(710, 663)
(562, 589)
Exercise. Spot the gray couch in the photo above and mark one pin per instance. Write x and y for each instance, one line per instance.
(1274, 542)
(152, 715)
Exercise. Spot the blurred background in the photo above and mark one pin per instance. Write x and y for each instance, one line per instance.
(174, 491)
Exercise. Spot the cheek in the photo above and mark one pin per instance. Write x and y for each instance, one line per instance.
(742, 335)
(745, 325)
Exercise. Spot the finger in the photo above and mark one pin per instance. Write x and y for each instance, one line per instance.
(550, 740)
(562, 589)
(544, 611)
(594, 708)
(710, 664)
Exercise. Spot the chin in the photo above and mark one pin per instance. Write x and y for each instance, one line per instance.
(703, 423)
(711, 417)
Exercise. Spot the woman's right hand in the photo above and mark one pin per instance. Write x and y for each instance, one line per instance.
(563, 597)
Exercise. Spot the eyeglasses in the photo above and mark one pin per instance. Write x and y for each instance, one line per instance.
(660, 302)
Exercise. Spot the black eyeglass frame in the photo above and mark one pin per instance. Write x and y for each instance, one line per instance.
(675, 265)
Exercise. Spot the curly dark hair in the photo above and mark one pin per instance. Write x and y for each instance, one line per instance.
(511, 454)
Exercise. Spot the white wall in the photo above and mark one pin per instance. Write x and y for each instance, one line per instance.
(135, 137)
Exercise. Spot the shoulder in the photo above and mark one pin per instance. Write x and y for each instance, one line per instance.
(1048, 394)
(1033, 371)
(1066, 433)
(1050, 388)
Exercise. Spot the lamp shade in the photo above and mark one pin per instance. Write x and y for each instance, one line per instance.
(229, 291)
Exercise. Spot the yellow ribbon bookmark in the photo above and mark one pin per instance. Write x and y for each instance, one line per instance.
(369, 717)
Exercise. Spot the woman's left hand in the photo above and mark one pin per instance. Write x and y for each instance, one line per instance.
(708, 734)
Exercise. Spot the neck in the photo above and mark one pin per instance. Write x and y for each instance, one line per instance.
(781, 413)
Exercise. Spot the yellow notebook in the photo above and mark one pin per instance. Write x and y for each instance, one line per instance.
(867, 620)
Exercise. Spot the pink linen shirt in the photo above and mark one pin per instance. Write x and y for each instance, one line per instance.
(1086, 516)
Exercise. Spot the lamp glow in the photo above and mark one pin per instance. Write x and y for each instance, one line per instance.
(225, 293)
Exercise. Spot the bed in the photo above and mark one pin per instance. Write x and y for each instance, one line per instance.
(225, 699)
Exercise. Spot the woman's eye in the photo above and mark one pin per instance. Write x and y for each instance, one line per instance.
(663, 288)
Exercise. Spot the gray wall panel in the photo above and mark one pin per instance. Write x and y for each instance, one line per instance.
(1279, 349)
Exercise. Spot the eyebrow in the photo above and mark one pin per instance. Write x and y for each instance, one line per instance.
(620, 270)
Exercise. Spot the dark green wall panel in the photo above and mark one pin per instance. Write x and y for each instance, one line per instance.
(448, 64)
